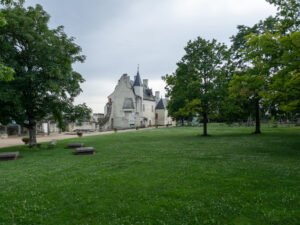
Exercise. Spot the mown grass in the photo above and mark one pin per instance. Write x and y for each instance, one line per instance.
(159, 176)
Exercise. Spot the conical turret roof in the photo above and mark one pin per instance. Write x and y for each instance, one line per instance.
(161, 104)
(137, 79)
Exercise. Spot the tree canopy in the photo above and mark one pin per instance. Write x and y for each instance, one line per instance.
(262, 75)
(44, 82)
(198, 79)
(6, 73)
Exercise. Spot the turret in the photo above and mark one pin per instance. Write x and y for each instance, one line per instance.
(137, 85)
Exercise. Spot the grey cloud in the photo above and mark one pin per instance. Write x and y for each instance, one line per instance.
(116, 35)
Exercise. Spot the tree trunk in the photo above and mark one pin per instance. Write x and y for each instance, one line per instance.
(205, 120)
(205, 108)
(257, 117)
(48, 127)
(32, 133)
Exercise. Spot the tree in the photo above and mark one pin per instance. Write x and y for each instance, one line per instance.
(284, 84)
(6, 73)
(239, 41)
(252, 83)
(288, 15)
(203, 66)
(267, 72)
(291, 67)
(44, 82)
(178, 86)
(286, 65)
(79, 113)
(206, 60)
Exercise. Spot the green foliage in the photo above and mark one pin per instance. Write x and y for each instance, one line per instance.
(276, 58)
(12, 2)
(2, 21)
(44, 81)
(82, 112)
(197, 85)
(266, 60)
(285, 83)
(6, 73)
(176, 177)
(178, 88)
(75, 113)
(288, 14)
(252, 83)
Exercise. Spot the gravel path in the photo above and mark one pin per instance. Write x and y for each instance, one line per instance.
(13, 141)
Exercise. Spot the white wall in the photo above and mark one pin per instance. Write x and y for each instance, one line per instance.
(149, 112)
(163, 118)
(121, 118)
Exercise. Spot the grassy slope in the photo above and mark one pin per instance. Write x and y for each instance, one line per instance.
(160, 176)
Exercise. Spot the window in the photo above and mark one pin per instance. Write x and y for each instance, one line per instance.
(143, 108)
(152, 108)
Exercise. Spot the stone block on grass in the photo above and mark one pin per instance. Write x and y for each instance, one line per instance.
(9, 156)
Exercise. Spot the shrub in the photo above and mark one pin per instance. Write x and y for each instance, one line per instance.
(25, 140)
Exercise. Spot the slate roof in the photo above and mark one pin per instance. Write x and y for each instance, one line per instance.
(147, 92)
(137, 80)
(162, 104)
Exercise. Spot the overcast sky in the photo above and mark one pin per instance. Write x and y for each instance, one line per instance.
(116, 35)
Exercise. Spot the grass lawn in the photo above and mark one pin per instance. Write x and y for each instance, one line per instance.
(158, 176)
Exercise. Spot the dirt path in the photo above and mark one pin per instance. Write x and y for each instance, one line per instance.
(13, 141)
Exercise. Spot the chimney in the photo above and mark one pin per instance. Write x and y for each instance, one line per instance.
(157, 94)
(145, 82)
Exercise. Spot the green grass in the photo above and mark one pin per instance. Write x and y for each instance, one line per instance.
(160, 176)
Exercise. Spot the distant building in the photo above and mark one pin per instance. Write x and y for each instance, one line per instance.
(132, 104)
(88, 125)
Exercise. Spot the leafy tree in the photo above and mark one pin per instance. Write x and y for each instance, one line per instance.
(6, 73)
(79, 113)
(286, 64)
(285, 70)
(252, 83)
(267, 56)
(235, 106)
(202, 66)
(239, 41)
(288, 15)
(42, 58)
(291, 67)
(178, 86)
(243, 94)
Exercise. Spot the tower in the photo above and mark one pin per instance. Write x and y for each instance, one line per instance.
(137, 84)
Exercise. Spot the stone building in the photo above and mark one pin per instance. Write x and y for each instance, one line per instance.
(132, 104)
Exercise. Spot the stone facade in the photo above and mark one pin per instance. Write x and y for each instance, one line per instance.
(132, 104)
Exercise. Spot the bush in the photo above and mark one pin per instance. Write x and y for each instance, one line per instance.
(79, 134)
(25, 140)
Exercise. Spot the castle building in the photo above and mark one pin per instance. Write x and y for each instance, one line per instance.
(132, 104)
